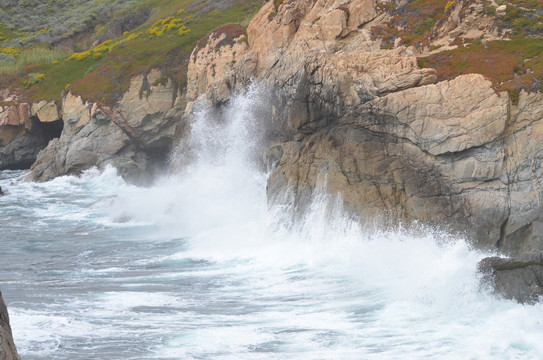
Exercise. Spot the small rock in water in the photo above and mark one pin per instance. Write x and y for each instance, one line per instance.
(1, 191)
(519, 278)
(122, 219)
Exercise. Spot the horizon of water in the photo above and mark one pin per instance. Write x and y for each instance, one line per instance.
(199, 266)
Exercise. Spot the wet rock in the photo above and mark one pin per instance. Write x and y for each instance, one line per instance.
(8, 350)
(519, 278)
(370, 125)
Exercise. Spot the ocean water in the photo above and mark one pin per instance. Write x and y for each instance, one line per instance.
(200, 266)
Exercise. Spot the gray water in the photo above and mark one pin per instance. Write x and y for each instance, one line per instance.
(200, 266)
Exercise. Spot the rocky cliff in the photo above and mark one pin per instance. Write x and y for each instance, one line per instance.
(7, 346)
(135, 136)
(370, 125)
(350, 111)
(25, 129)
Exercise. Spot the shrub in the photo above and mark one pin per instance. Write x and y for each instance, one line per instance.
(449, 4)
(33, 78)
(244, 39)
(490, 10)
(11, 51)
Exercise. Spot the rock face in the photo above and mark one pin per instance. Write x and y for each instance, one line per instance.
(219, 48)
(370, 125)
(519, 278)
(23, 135)
(7, 346)
(46, 111)
(135, 136)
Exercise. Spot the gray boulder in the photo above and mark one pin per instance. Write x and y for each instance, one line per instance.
(519, 278)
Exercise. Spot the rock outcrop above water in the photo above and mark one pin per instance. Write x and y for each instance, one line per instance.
(135, 136)
(369, 124)
(8, 350)
(23, 134)
(519, 278)
(365, 123)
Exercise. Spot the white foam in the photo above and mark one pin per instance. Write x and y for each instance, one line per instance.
(252, 283)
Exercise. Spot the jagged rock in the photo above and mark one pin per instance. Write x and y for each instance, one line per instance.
(371, 126)
(21, 136)
(135, 136)
(213, 57)
(8, 350)
(46, 111)
(519, 278)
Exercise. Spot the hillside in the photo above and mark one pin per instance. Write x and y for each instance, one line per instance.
(502, 40)
(97, 46)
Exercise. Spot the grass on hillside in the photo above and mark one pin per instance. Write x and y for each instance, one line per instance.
(7, 34)
(412, 23)
(37, 55)
(510, 65)
(47, 21)
(103, 76)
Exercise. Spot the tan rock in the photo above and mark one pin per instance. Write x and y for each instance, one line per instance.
(75, 113)
(214, 60)
(46, 111)
(333, 24)
(450, 116)
(10, 116)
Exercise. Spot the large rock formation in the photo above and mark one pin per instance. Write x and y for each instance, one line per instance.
(369, 124)
(7, 346)
(364, 122)
(135, 136)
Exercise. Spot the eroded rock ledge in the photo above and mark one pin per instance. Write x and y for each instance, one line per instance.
(369, 124)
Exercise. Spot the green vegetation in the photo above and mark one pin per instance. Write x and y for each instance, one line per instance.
(511, 65)
(102, 73)
(7, 34)
(412, 23)
(36, 55)
(39, 21)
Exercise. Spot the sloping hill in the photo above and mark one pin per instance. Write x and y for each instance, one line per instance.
(120, 39)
